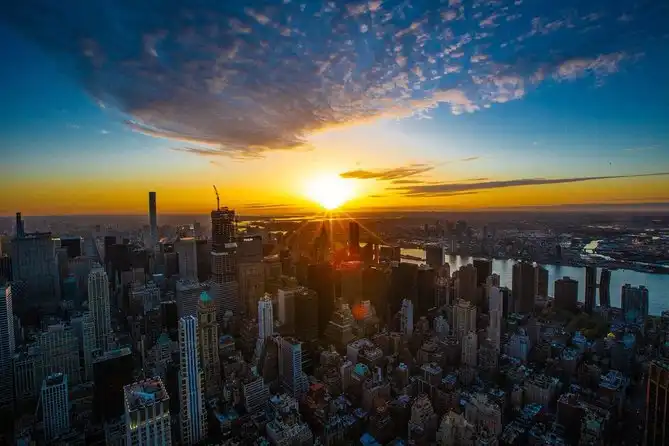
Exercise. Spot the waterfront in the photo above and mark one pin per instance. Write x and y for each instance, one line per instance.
(657, 284)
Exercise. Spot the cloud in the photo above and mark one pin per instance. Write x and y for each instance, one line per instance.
(247, 77)
(471, 158)
(104, 132)
(402, 181)
(449, 188)
(640, 149)
(396, 173)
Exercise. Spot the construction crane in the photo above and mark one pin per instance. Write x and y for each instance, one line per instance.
(218, 199)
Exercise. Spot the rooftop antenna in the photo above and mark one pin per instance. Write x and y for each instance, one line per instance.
(218, 200)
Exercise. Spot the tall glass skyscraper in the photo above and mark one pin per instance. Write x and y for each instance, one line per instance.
(193, 416)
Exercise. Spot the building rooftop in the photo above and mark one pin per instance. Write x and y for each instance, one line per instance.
(54, 379)
(144, 393)
(205, 297)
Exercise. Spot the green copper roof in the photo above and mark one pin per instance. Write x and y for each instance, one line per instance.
(205, 297)
(164, 339)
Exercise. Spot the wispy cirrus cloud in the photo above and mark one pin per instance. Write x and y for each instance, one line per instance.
(246, 77)
(451, 188)
(396, 173)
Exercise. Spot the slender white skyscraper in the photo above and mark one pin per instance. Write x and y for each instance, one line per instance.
(153, 220)
(495, 311)
(265, 317)
(6, 346)
(193, 415)
(98, 304)
(406, 317)
(55, 406)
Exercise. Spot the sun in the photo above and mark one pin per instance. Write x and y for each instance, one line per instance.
(330, 191)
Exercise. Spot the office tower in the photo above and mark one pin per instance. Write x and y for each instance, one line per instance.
(85, 330)
(506, 300)
(256, 393)
(225, 289)
(292, 378)
(425, 291)
(111, 372)
(524, 287)
(353, 239)
(495, 310)
(20, 230)
(59, 347)
(187, 297)
(186, 249)
(483, 270)
(27, 373)
(203, 253)
(605, 288)
(5, 268)
(153, 220)
(98, 303)
(55, 406)
(286, 305)
(6, 346)
(470, 349)
(144, 297)
(339, 330)
(249, 249)
(306, 309)
(169, 318)
(208, 327)
(403, 285)
(147, 413)
(265, 318)
(634, 302)
(520, 345)
(34, 263)
(465, 283)
(320, 279)
(192, 411)
(590, 286)
(442, 292)
(464, 318)
(656, 421)
(251, 278)
(406, 317)
(73, 246)
(566, 294)
(351, 281)
(434, 256)
(542, 281)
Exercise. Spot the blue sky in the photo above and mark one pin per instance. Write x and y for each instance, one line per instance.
(504, 90)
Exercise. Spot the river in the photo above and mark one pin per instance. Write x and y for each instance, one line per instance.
(657, 284)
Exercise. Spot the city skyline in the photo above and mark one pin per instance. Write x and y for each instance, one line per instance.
(442, 105)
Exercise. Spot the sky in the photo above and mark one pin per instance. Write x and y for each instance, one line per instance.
(424, 104)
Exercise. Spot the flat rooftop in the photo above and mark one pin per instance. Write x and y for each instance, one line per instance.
(144, 393)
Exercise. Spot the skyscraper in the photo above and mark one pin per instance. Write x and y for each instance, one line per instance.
(285, 297)
(188, 296)
(351, 281)
(320, 279)
(293, 379)
(208, 327)
(605, 288)
(192, 403)
(153, 220)
(542, 281)
(147, 413)
(251, 277)
(590, 286)
(464, 318)
(186, 249)
(406, 317)
(634, 302)
(434, 256)
(265, 318)
(98, 303)
(55, 406)
(465, 283)
(483, 270)
(566, 294)
(225, 289)
(353, 239)
(6, 346)
(111, 371)
(306, 309)
(524, 287)
(656, 421)
(495, 310)
(425, 291)
(470, 349)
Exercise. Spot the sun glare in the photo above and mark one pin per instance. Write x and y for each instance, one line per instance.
(330, 191)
